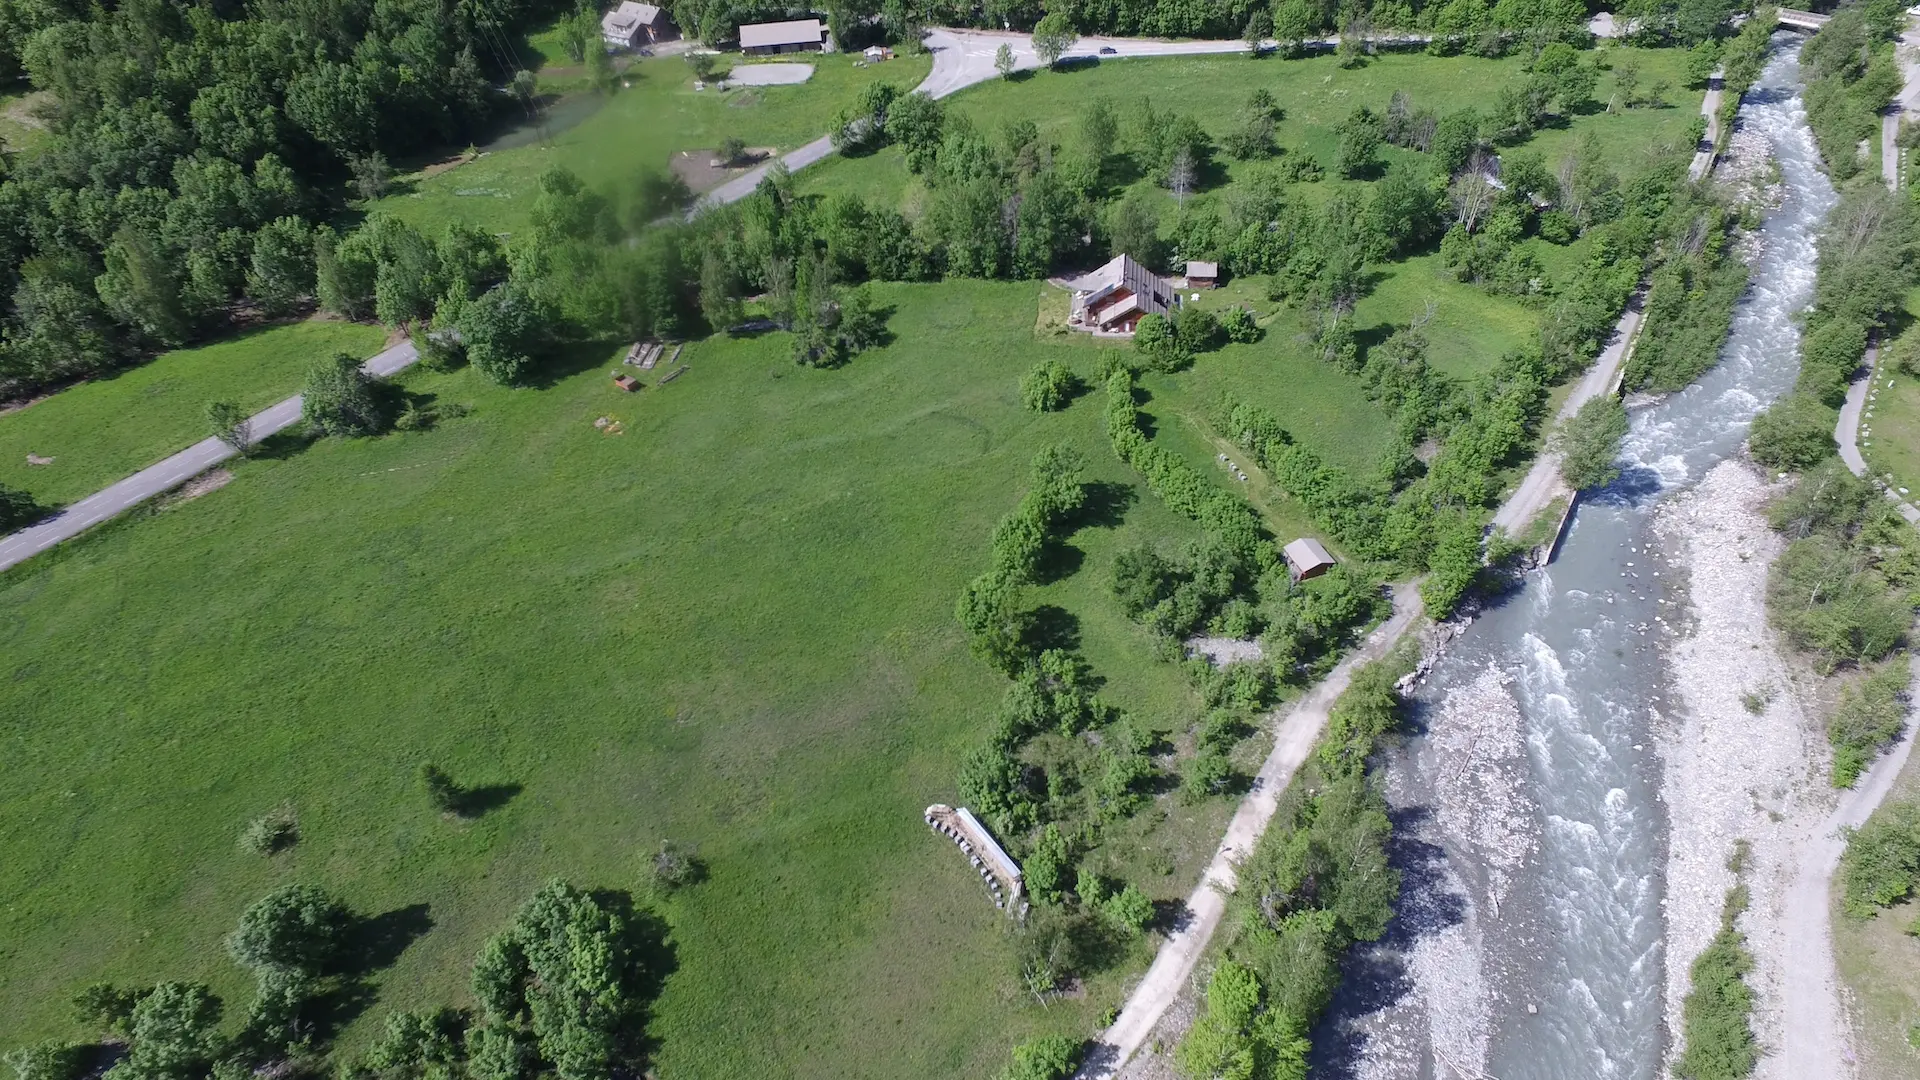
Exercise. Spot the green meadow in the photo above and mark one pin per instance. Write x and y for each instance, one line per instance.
(116, 424)
(729, 625)
(725, 617)
(652, 114)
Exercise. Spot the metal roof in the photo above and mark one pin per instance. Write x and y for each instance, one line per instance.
(1306, 553)
(623, 19)
(768, 35)
(1196, 268)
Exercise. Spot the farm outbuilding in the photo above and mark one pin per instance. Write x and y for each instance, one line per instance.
(632, 25)
(769, 39)
(1202, 275)
(1307, 558)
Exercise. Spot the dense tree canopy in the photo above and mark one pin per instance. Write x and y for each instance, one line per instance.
(190, 145)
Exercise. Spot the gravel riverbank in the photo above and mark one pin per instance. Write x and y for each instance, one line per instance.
(1744, 755)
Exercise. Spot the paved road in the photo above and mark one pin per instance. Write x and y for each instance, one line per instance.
(1293, 740)
(168, 474)
(1710, 108)
(1542, 484)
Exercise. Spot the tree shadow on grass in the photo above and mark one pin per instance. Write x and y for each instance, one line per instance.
(473, 802)
(377, 942)
(1105, 506)
(372, 944)
(1052, 627)
(1058, 562)
(648, 939)
(571, 359)
(283, 445)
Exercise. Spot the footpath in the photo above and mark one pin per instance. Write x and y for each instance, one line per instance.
(1301, 726)
(1299, 730)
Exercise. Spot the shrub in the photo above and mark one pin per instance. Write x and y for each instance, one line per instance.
(1197, 330)
(229, 423)
(47, 1061)
(1794, 433)
(1829, 600)
(1590, 442)
(1208, 773)
(1718, 1010)
(272, 832)
(442, 793)
(1870, 716)
(1881, 866)
(297, 928)
(1826, 497)
(1240, 327)
(1047, 386)
(571, 976)
(339, 399)
(674, 867)
(1049, 1057)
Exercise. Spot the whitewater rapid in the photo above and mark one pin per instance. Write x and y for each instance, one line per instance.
(1531, 937)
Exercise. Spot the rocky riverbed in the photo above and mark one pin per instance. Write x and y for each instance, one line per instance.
(1744, 755)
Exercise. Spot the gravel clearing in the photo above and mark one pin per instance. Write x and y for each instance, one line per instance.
(1732, 773)
(1221, 651)
(769, 74)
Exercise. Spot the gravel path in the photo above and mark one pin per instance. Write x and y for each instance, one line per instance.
(1293, 740)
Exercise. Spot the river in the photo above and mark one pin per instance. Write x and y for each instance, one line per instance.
(1529, 827)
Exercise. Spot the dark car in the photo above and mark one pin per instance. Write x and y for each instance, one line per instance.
(1108, 50)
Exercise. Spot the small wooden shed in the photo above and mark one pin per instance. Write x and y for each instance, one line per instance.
(626, 382)
(1202, 275)
(1307, 558)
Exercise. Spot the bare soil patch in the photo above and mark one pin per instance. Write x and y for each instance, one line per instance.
(702, 171)
(210, 481)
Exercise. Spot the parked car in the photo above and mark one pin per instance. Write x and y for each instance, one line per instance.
(1108, 50)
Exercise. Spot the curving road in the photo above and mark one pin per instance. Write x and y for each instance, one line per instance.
(171, 473)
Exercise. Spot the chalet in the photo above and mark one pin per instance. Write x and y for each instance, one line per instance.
(1307, 558)
(769, 39)
(1114, 298)
(632, 25)
(1202, 275)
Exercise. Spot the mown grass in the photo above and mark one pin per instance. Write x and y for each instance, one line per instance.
(117, 424)
(1889, 439)
(637, 130)
(730, 625)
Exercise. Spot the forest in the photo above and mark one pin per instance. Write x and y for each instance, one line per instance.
(193, 148)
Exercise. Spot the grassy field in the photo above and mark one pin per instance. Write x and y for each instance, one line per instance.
(638, 129)
(730, 625)
(115, 425)
(1880, 965)
(1314, 94)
